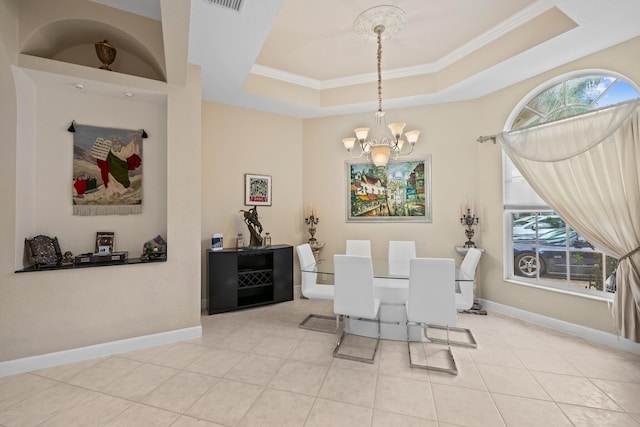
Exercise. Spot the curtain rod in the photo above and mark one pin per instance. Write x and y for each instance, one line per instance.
(492, 138)
(481, 139)
(72, 129)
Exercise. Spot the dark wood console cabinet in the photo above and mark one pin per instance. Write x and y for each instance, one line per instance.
(249, 277)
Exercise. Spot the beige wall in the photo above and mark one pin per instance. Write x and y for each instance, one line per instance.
(461, 167)
(209, 148)
(496, 108)
(454, 172)
(45, 203)
(49, 311)
(8, 56)
(48, 28)
(238, 141)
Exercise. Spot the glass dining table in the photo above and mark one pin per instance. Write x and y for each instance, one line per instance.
(391, 285)
(382, 269)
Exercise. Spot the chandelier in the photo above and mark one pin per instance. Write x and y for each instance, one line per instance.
(382, 142)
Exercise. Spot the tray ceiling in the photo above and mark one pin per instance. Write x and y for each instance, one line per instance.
(300, 58)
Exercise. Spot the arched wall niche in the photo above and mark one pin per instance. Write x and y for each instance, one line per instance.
(73, 40)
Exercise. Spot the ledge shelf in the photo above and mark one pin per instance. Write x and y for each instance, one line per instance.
(130, 261)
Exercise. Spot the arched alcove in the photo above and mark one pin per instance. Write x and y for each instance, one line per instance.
(73, 41)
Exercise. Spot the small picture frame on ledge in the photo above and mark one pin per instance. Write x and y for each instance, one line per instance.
(105, 242)
(217, 242)
(257, 190)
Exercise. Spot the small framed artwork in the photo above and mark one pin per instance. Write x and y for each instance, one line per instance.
(217, 242)
(257, 190)
(105, 242)
(398, 192)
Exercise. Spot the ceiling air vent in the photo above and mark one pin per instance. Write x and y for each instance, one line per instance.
(227, 4)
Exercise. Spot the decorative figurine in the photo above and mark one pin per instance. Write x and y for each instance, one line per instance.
(154, 249)
(67, 259)
(255, 228)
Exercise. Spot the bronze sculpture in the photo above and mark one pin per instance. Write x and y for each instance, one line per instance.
(255, 228)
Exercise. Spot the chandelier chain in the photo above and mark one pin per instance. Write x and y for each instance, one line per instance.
(380, 143)
(379, 29)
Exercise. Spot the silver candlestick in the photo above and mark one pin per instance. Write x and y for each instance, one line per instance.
(469, 221)
(312, 221)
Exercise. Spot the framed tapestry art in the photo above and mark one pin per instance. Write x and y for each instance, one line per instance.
(257, 190)
(107, 171)
(397, 192)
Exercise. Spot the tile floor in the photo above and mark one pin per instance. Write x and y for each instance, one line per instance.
(257, 368)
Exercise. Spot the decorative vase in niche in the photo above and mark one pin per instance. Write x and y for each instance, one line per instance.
(106, 54)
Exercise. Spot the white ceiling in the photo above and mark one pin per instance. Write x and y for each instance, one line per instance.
(300, 58)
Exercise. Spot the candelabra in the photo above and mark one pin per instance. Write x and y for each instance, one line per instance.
(312, 221)
(469, 221)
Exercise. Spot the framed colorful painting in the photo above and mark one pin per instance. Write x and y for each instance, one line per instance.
(397, 192)
(257, 190)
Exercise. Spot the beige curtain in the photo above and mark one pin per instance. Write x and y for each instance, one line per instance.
(587, 168)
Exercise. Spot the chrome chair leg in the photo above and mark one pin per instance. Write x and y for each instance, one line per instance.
(471, 343)
(336, 350)
(304, 324)
(454, 368)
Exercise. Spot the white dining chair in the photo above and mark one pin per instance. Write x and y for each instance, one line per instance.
(354, 297)
(311, 289)
(465, 298)
(432, 304)
(431, 301)
(358, 247)
(400, 252)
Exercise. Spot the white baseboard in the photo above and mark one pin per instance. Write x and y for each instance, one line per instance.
(601, 337)
(43, 361)
(49, 360)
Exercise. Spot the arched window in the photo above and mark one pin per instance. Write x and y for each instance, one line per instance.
(540, 248)
(572, 96)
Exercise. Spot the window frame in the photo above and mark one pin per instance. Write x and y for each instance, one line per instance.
(540, 282)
